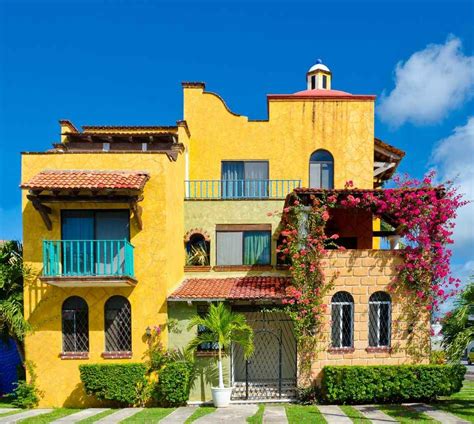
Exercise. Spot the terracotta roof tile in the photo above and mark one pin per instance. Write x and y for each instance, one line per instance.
(84, 179)
(232, 288)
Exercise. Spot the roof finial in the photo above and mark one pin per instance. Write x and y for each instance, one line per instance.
(319, 61)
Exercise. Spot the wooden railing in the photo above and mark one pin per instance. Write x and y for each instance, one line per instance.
(239, 189)
(66, 258)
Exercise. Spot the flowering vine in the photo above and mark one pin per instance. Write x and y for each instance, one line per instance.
(419, 212)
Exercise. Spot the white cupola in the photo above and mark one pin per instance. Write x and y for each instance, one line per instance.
(318, 77)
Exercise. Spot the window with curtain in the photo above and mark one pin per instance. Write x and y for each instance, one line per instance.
(81, 229)
(380, 306)
(75, 325)
(321, 170)
(118, 324)
(244, 179)
(342, 319)
(243, 247)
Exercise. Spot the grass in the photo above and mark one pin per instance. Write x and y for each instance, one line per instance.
(355, 415)
(6, 401)
(405, 415)
(97, 417)
(258, 417)
(200, 412)
(301, 414)
(51, 416)
(460, 404)
(149, 415)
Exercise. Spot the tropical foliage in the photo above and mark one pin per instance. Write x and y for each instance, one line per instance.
(223, 327)
(12, 275)
(458, 330)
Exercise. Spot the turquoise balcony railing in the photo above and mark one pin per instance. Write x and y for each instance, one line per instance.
(239, 189)
(82, 258)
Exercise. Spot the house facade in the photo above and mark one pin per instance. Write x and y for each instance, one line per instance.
(129, 228)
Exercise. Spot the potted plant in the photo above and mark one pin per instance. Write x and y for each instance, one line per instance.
(222, 328)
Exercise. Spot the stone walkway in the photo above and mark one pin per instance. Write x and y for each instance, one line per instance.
(10, 419)
(5, 410)
(275, 414)
(333, 414)
(374, 415)
(180, 415)
(235, 414)
(444, 417)
(118, 416)
(81, 415)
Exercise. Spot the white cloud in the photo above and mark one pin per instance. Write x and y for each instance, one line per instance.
(453, 158)
(431, 83)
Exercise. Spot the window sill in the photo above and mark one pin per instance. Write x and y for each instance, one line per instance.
(197, 268)
(74, 355)
(283, 267)
(341, 350)
(117, 355)
(225, 268)
(380, 349)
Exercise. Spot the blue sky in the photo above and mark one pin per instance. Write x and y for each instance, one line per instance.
(122, 62)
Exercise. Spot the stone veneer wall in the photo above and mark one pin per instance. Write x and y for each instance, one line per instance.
(362, 273)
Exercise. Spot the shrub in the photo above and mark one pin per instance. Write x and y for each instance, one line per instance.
(116, 382)
(390, 383)
(308, 395)
(26, 394)
(174, 383)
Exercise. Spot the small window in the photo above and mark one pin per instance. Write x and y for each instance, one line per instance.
(197, 251)
(342, 316)
(379, 319)
(313, 82)
(321, 170)
(209, 346)
(75, 325)
(243, 247)
(118, 325)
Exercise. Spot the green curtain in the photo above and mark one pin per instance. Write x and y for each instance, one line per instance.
(256, 247)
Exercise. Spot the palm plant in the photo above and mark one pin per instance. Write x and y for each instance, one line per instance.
(223, 327)
(197, 255)
(12, 273)
(458, 330)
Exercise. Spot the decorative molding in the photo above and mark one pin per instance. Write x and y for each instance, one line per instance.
(380, 349)
(341, 350)
(194, 231)
(117, 355)
(197, 268)
(74, 355)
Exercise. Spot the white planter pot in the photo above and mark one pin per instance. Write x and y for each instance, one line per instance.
(221, 396)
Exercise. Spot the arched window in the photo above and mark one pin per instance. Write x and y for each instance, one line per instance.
(75, 325)
(197, 250)
(342, 316)
(321, 169)
(118, 325)
(380, 310)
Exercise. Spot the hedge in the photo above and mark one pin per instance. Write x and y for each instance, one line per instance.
(390, 383)
(174, 383)
(115, 382)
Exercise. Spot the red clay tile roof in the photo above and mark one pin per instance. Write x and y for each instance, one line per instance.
(232, 288)
(85, 179)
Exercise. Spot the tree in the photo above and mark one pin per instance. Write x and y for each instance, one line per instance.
(12, 273)
(458, 330)
(223, 327)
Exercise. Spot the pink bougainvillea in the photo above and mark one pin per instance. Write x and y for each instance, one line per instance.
(420, 213)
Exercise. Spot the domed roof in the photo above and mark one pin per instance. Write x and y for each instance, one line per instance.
(319, 66)
(322, 92)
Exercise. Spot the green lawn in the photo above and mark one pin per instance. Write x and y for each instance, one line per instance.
(149, 415)
(405, 415)
(303, 414)
(258, 417)
(47, 418)
(97, 417)
(354, 414)
(460, 404)
(6, 401)
(200, 412)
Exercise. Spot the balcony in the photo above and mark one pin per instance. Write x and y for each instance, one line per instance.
(88, 263)
(239, 189)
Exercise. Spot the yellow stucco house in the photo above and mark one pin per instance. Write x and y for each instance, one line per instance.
(127, 228)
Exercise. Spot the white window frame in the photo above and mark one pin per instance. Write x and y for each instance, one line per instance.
(341, 304)
(378, 303)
